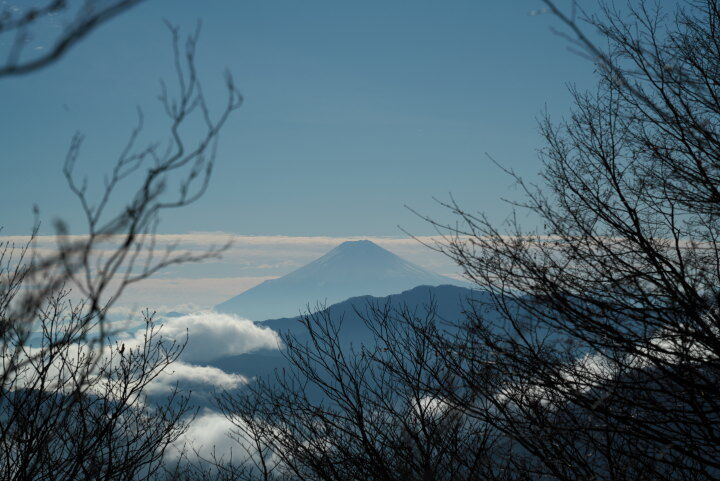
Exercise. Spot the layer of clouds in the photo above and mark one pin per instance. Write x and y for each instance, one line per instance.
(211, 335)
(212, 436)
(208, 435)
(249, 261)
(174, 293)
(194, 377)
(61, 376)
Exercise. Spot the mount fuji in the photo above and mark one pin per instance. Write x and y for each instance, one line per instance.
(353, 268)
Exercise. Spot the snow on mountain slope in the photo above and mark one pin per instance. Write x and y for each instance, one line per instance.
(351, 269)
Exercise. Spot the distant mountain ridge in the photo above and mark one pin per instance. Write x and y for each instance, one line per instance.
(449, 306)
(354, 268)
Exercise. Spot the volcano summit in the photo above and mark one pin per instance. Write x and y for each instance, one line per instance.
(353, 268)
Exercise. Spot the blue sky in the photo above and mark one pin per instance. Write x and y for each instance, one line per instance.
(352, 110)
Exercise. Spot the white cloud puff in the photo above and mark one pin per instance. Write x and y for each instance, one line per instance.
(190, 375)
(212, 335)
(208, 433)
(209, 336)
(211, 435)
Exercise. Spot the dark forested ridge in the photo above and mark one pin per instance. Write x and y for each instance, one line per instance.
(448, 302)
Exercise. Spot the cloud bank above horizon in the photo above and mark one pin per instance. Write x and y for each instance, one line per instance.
(249, 261)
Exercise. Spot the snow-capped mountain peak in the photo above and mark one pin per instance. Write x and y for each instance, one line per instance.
(353, 268)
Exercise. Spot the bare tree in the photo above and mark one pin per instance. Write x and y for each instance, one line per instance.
(68, 415)
(596, 353)
(57, 24)
(603, 361)
(72, 406)
(364, 414)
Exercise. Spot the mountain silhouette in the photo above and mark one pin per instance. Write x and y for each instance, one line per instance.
(449, 304)
(354, 268)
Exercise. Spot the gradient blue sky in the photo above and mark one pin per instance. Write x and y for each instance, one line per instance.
(353, 109)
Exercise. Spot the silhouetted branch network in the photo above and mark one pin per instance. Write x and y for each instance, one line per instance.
(594, 352)
(73, 402)
(57, 24)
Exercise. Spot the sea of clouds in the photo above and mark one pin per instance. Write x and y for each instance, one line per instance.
(248, 261)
